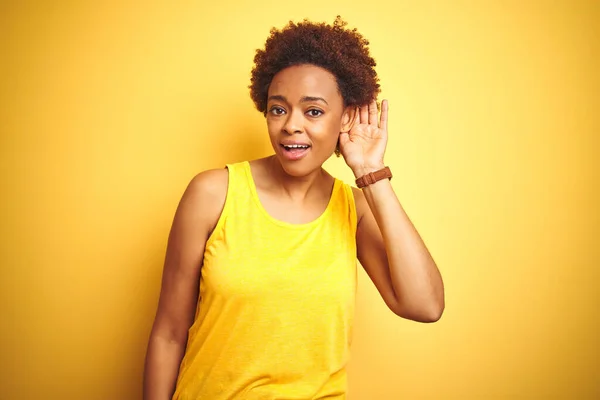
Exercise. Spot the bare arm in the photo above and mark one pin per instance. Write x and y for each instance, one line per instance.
(394, 256)
(196, 216)
(389, 247)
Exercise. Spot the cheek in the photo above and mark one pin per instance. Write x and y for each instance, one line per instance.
(326, 136)
(273, 126)
(329, 130)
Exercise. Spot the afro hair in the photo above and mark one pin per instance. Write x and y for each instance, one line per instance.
(343, 52)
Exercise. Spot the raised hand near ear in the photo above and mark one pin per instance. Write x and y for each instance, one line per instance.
(363, 147)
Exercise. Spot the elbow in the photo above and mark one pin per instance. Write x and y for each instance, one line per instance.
(169, 333)
(424, 313)
(433, 313)
(434, 310)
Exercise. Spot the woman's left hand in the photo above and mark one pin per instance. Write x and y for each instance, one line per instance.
(364, 145)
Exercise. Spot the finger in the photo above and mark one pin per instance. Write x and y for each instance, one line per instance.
(373, 113)
(384, 115)
(364, 114)
(343, 139)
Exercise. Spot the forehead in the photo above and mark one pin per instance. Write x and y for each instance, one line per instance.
(305, 80)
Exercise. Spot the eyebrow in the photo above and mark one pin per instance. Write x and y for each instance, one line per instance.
(304, 99)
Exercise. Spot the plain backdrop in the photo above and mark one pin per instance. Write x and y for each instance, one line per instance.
(108, 109)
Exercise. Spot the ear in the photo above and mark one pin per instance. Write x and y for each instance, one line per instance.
(349, 118)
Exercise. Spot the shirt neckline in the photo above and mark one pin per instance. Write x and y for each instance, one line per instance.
(254, 193)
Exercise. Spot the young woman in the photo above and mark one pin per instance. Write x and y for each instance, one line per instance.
(259, 281)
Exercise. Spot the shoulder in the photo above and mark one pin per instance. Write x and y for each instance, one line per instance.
(211, 184)
(204, 197)
(360, 201)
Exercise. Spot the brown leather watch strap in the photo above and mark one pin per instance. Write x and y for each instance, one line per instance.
(373, 177)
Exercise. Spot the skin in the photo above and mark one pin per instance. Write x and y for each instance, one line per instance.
(304, 105)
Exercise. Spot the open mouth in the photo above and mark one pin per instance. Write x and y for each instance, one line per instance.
(295, 147)
(295, 151)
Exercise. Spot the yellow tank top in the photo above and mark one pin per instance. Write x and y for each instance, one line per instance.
(276, 302)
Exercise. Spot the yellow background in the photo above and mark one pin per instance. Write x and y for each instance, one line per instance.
(108, 110)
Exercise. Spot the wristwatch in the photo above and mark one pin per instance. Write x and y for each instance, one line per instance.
(373, 177)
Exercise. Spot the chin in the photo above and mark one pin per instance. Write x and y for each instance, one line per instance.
(298, 168)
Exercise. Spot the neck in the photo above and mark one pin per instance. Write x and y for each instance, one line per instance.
(296, 187)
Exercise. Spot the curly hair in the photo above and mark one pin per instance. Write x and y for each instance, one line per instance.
(343, 52)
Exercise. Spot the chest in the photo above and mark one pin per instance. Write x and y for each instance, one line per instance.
(292, 211)
(271, 264)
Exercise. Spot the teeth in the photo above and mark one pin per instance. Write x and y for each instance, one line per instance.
(295, 146)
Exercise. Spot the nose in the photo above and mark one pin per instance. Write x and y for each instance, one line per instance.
(293, 123)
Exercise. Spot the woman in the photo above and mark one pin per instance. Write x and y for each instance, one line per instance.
(261, 259)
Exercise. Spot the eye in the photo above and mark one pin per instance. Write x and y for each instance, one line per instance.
(314, 112)
(277, 110)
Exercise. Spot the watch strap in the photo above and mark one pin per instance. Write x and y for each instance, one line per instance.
(373, 177)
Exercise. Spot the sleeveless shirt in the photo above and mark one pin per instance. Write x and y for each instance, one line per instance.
(276, 302)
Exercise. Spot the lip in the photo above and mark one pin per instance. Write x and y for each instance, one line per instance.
(293, 142)
(294, 155)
